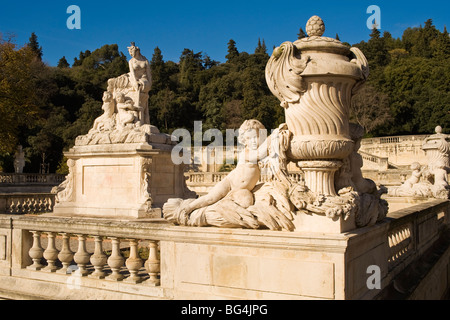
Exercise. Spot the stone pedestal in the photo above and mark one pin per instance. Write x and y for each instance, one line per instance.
(309, 222)
(319, 175)
(119, 180)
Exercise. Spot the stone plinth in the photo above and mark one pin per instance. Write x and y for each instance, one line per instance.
(308, 222)
(119, 180)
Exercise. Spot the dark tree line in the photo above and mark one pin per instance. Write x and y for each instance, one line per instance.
(408, 91)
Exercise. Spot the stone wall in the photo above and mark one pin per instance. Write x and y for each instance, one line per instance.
(212, 263)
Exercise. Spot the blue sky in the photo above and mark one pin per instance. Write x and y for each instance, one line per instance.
(205, 26)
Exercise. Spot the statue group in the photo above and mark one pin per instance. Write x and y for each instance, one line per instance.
(314, 78)
(125, 117)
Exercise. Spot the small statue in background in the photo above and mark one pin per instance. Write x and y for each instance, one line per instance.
(19, 160)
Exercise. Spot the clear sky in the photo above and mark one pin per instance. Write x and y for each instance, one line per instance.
(205, 26)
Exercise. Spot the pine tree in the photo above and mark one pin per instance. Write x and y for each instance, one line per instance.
(261, 48)
(232, 51)
(158, 71)
(62, 63)
(34, 45)
(441, 46)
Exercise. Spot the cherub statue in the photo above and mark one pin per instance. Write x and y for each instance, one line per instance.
(106, 121)
(127, 113)
(238, 200)
(415, 175)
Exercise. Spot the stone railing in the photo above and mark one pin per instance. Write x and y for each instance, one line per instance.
(211, 178)
(53, 257)
(394, 139)
(401, 151)
(74, 254)
(31, 178)
(25, 203)
(373, 161)
(95, 263)
(204, 177)
(412, 231)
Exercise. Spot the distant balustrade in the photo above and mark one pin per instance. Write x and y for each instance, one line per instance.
(370, 160)
(394, 139)
(26, 203)
(211, 178)
(31, 178)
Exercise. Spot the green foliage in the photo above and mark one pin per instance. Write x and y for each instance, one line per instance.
(412, 74)
(33, 44)
(22, 92)
(45, 108)
(62, 63)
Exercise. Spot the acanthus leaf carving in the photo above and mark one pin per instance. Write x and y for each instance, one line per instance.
(283, 73)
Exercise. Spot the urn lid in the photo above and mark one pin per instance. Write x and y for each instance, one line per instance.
(315, 28)
(439, 141)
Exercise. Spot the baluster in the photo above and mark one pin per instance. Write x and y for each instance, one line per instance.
(152, 264)
(49, 206)
(51, 253)
(134, 263)
(11, 207)
(98, 259)
(32, 206)
(115, 261)
(81, 257)
(65, 255)
(25, 205)
(36, 252)
(40, 205)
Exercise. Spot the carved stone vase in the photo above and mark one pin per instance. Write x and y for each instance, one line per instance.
(314, 79)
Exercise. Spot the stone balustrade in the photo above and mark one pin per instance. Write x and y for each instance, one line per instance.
(394, 139)
(400, 150)
(202, 182)
(26, 203)
(90, 259)
(31, 178)
(400, 244)
(54, 257)
(205, 178)
(372, 161)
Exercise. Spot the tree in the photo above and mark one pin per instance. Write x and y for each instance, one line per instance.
(233, 53)
(370, 108)
(208, 63)
(159, 76)
(21, 92)
(34, 46)
(441, 45)
(261, 48)
(62, 63)
(78, 61)
(46, 145)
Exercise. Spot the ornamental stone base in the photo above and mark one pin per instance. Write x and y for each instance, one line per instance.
(119, 180)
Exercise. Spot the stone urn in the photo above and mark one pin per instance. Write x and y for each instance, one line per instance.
(315, 78)
(437, 149)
